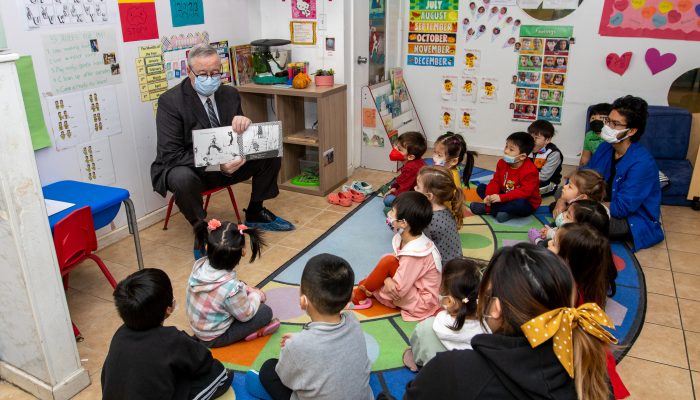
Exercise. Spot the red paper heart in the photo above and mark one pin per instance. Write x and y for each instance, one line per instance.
(674, 16)
(621, 5)
(618, 64)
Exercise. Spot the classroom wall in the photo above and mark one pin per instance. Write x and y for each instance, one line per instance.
(589, 81)
(134, 149)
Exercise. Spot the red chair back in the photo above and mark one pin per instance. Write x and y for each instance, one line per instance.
(74, 237)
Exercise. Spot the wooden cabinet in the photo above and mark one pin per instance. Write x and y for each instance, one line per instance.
(299, 141)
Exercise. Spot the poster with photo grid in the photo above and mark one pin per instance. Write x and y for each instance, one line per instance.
(543, 62)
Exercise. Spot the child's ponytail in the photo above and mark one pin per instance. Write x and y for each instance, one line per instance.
(439, 182)
(460, 280)
(468, 165)
(223, 242)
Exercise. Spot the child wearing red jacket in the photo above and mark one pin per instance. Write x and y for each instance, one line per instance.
(514, 190)
(410, 146)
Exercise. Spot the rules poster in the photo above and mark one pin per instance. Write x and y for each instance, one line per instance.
(432, 36)
(543, 62)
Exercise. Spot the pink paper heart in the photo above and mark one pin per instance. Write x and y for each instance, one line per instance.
(674, 16)
(618, 64)
(621, 5)
(658, 62)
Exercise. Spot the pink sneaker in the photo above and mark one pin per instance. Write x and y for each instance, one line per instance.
(267, 330)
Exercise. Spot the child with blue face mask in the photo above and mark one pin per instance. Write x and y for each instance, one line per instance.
(514, 190)
(450, 151)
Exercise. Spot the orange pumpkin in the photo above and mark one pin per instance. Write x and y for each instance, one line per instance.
(301, 81)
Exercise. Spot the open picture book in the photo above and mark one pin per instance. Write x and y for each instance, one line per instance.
(216, 146)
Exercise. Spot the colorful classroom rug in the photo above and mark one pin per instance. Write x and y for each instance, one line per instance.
(362, 238)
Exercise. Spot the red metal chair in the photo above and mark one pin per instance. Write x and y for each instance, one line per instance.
(208, 194)
(74, 239)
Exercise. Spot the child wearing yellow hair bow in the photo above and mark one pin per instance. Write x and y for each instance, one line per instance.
(526, 298)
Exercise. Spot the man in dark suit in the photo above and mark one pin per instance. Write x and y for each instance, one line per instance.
(199, 102)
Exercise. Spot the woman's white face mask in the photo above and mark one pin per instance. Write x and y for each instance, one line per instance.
(610, 135)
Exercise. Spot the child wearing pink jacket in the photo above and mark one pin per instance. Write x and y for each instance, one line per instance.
(409, 278)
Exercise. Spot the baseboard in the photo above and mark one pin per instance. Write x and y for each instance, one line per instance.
(144, 222)
(63, 390)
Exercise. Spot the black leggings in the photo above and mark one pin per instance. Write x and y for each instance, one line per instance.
(272, 382)
(239, 330)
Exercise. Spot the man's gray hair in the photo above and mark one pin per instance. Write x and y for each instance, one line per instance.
(200, 50)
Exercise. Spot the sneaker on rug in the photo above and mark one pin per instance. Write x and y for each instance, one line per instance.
(266, 330)
(534, 235)
(254, 386)
(477, 208)
(267, 221)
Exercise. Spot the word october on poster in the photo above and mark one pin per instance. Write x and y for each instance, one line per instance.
(432, 36)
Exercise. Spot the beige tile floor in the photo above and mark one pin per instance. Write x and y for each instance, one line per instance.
(664, 363)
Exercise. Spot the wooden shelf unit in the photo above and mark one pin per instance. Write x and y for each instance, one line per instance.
(331, 112)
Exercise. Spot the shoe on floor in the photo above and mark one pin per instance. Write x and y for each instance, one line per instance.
(266, 330)
(267, 221)
(254, 386)
(477, 208)
(502, 217)
(533, 235)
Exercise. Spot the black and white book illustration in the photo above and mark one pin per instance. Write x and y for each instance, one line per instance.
(216, 146)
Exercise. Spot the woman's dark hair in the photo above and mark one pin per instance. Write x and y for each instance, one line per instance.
(224, 245)
(460, 279)
(588, 253)
(523, 140)
(635, 111)
(593, 213)
(142, 298)
(456, 147)
(528, 281)
(415, 209)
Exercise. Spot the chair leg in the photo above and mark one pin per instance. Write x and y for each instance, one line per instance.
(233, 202)
(104, 269)
(76, 333)
(206, 202)
(167, 213)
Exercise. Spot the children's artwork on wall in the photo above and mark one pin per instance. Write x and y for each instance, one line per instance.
(138, 20)
(662, 19)
(447, 119)
(95, 162)
(471, 61)
(371, 138)
(468, 88)
(182, 41)
(68, 119)
(467, 121)
(49, 14)
(369, 117)
(81, 60)
(658, 62)
(488, 90)
(215, 146)
(432, 36)
(618, 63)
(543, 62)
(302, 32)
(151, 73)
(186, 12)
(303, 9)
(102, 110)
(447, 87)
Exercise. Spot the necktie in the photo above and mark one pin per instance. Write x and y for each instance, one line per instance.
(212, 114)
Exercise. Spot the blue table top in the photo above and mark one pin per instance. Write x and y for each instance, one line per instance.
(99, 198)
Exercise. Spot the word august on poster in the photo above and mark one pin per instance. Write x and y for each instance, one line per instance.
(432, 37)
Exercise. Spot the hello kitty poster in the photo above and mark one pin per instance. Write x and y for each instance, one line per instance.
(304, 9)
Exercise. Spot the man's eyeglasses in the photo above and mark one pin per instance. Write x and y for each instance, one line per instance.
(203, 76)
(614, 124)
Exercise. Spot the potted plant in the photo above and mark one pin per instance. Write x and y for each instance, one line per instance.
(324, 77)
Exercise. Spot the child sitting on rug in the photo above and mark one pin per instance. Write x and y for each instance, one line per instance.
(592, 139)
(583, 184)
(450, 151)
(410, 147)
(147, 360)
(327, 359)
(587, 252)
(546, 156)
(514, 189)
(453, 327)
(409, 278)
(222, 309)
(448, 210)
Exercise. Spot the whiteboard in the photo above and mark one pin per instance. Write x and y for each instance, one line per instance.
(134, 149)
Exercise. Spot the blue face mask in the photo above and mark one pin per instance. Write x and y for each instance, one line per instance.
(509, 159)
(206, 85)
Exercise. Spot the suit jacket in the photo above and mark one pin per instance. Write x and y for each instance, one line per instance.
(179, 112)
